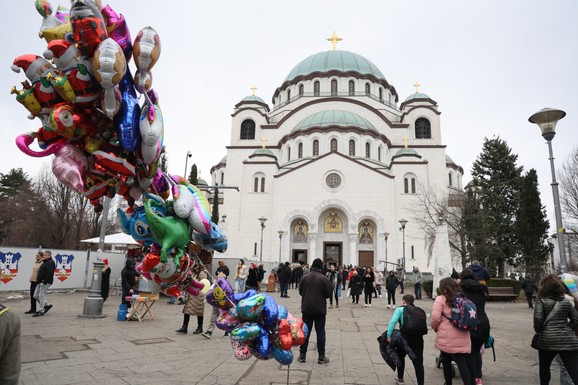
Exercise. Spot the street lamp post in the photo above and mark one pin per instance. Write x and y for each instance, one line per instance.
(403, 222)
(546, 119)
(189, 154)
(280, 232)
(385, 235)
(262, 220)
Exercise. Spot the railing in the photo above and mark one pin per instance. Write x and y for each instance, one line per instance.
(334, 94)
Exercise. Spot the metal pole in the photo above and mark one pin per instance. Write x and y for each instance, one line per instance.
(261, 251)
(558, 213)
(403, 263)
(93, 302)
(280, 236)
(385, 270)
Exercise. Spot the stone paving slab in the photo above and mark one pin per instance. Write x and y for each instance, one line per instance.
(61, 348)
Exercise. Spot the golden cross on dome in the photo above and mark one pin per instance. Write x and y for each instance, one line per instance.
(253, 89)
(334, 39)
(263, 142)
(405, 141)
(416, 85)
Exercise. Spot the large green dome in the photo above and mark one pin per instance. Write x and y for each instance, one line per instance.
(333, 118)
(343, 61)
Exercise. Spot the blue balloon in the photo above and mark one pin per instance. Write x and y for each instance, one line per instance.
(137, 226)
(283, 312)
(284, 357)
(239, 296)
(126, 121)
(246, 331)
(270, 313)
(215, 240)
(263, 344)
(250, 309)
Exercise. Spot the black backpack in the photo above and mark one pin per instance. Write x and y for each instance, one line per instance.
(414, 321)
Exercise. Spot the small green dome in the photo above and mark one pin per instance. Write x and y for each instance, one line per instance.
(224, 160)
(263, 151)
(202, 182)
(333, 118)
(343, 61)
(252, 98)
(406, 152)
(417, 95)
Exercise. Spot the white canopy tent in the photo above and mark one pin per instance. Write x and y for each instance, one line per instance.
(118, 239)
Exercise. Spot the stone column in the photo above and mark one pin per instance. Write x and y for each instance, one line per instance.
(352, 260)
(312, 252)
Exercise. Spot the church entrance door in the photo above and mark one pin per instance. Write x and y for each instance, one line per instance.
(365, 258)
(332, 253)
(299, 256)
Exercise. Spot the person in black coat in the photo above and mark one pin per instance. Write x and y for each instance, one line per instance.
(285, 278)
(45, 279)
(391, 283)
(128, 277)
(355, 286)
(222, 269)
(529, 287)
(476, 292)
(253, 277)
(314, 289)
(105, 281)
(368, 285)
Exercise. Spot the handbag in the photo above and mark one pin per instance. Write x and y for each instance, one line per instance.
(534, 343)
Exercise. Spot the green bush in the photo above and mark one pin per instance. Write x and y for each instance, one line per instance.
(427, 287)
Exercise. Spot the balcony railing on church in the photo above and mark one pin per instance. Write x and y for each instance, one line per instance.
(334, 94)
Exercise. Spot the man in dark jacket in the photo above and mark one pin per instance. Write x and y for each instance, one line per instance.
(45, 279)
(285, 277)
(529, 287)
(314, 289)
(480, 272)
(222, 269)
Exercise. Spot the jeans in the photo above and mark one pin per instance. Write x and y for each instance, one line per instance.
(529, 297)
(284, 288)
(213, 320)
(338, 291)
(40, 294)
(32, 299)
(377, 290)
(569, 358)
(416, 344)
(239, 285)
(319, 321)
(465, 365)
(417, 290)
(367, 296)
(391, 297)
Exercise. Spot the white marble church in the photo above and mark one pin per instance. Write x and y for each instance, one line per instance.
(331, 167)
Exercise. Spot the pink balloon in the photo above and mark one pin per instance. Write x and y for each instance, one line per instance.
(69, 165)
(24, 141)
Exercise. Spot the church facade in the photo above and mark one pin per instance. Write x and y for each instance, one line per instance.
(331, 167)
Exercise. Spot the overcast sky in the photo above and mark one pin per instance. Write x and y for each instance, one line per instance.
(488, 64)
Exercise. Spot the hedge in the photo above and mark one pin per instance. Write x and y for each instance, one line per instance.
(427, 286)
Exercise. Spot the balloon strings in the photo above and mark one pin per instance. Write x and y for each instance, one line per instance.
(288, 367)
(211, 276)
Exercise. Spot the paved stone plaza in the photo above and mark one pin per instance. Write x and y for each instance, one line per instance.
(61, 348)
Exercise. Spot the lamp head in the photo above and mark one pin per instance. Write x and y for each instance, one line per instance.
(546, 119)
(280, 232)
(262, 220)
(386, 234)
(403, 222)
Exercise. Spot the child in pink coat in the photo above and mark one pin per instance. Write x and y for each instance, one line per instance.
(454, 343)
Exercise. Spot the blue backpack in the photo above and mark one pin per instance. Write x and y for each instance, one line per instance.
(464, 314)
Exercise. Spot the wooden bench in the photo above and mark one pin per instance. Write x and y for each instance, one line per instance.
(502, 293)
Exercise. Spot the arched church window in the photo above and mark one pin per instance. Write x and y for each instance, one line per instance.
(379, 153)
(381, 95)
(422, 129)
(413, 185)
(450, 179)
(315, 147)
(316, 89)
(367, 88)
(263, 184)
(351, 88)
(409, 184)
(222, 178)
(334, 87)
(333, 145)
(367, 150)
(247, 129)
(300, 150)
(300, 89)
(288, 95)
(256, 185)
(406, 185)
(288, 154)
(352, 147)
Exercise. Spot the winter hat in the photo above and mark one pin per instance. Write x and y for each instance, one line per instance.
(30, 64)
(317, 264)
(105, 261)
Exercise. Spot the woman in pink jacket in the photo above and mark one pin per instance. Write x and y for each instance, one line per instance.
(454, 343)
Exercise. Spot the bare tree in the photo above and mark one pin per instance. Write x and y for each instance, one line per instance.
(435, 205)
(568, 177)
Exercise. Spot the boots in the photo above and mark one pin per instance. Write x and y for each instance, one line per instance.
(199, 329)
(182, 330)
